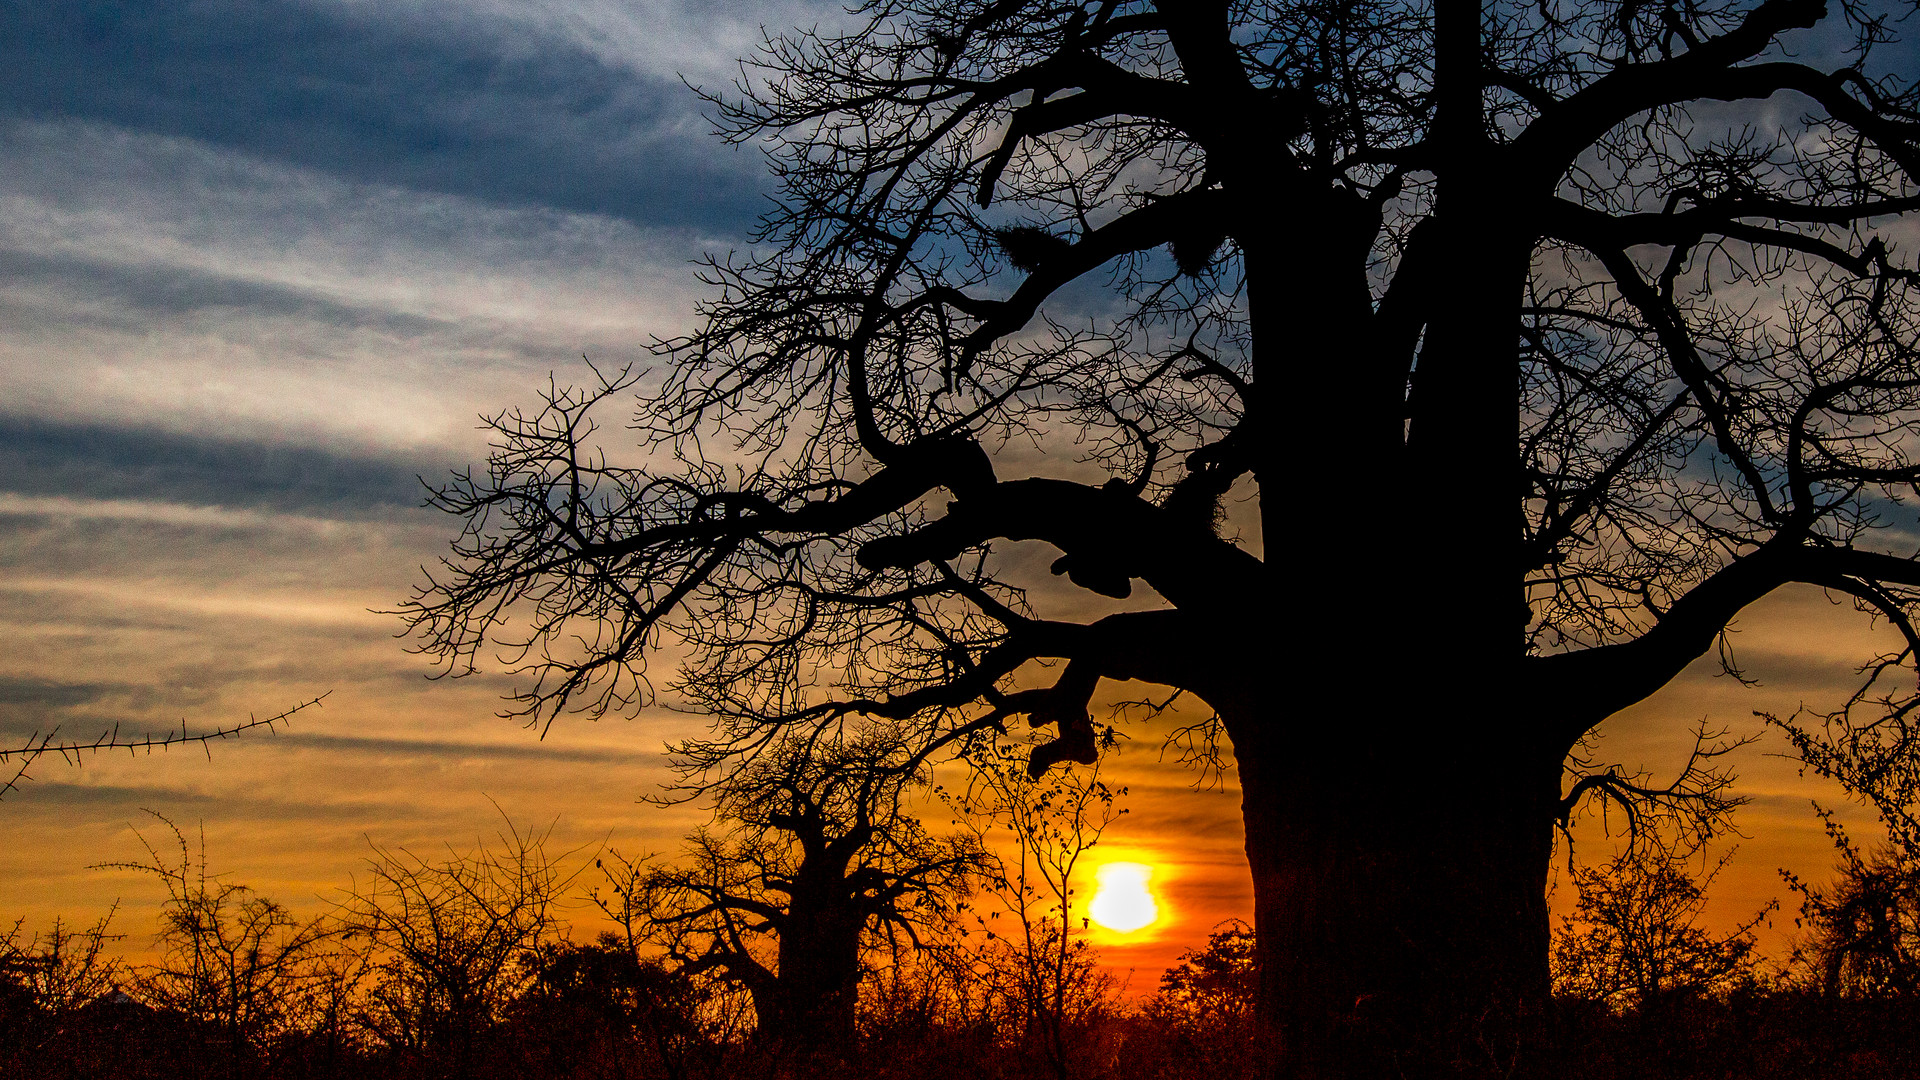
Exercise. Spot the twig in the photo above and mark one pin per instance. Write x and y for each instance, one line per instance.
(73, 752)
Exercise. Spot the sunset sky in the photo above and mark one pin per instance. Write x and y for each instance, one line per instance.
(262, 264)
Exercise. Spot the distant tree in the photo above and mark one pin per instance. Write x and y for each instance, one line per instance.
(1634, 937)
(1204, 1010)
(814, 858)
(1042, 830)
(230, 959)
(1862, 929)
(46, 979)
(1357, 319)
(598, 1009)
(1217, 983)
(450, 941)
(60, 970)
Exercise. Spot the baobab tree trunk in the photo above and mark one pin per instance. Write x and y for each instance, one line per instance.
(818, 983)
(1399, 836)
(1399, 842)
(1399, 907)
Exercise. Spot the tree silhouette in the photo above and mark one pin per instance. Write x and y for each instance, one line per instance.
(229, 958)
(1634, 937)
(46, 979)
(1863, 927)
(814, 859)
(1206, 1002)
(1283, 311)
(1036, 961)
(601, 1004)
(450, 943)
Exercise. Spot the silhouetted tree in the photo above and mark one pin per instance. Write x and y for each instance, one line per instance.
(230, 959)
(1215, 983)
(600, 1010)
(1634, 939)
(1863, 928)
(62, 969)
(814, 858)
(45, 980)
(1037, 960)
(1383, 273)
(1205, 1007)
(450, 941)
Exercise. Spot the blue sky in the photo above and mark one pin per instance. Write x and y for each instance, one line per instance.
(457, 103)
(319, 183)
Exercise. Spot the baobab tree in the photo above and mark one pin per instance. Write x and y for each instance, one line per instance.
(814, 860)
(1280, 292)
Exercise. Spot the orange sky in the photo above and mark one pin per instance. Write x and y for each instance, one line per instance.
(400, 761)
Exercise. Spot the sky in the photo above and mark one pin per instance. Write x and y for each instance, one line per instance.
(263, 265)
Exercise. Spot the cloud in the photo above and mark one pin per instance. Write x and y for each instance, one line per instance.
(169, 283)
(447, 750)
(173, 226)
(127, 799)
(505, 111)
(700, 41)
(49, 693)
(101, 462)
(132, 296)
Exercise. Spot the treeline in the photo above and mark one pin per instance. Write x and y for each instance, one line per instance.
(816, 927)
(1642, 990)
(461, 967)
(828, 924)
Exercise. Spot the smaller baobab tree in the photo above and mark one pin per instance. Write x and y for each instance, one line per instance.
(814, 858)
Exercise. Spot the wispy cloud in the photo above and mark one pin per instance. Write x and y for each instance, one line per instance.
(125, 472)
(172, 284)
(699, 41)
(473, 101)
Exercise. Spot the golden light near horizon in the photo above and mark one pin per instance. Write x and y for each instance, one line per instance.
(1121, 901)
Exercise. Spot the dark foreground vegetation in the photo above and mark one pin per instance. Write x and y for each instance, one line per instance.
(463, 968)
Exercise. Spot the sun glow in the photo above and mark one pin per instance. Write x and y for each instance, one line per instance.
(1122, 901)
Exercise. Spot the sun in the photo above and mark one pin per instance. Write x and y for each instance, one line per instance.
(1122, 901)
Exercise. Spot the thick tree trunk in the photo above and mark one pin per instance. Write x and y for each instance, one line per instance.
(1399, 856)
(818, 983)
(1400, 910)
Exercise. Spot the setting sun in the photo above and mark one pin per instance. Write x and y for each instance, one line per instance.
(1122, 901)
